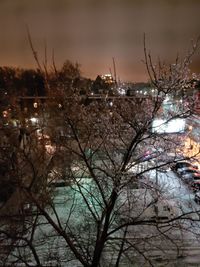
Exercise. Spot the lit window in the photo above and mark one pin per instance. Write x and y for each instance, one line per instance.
(35, 104)
(34, 120)
(5, 113)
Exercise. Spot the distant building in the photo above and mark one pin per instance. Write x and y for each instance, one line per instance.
(139, 89)
(104, 84)
(107, 78)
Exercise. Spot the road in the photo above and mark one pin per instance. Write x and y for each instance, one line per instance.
(174, 188)
(185, 248)
(176, 244)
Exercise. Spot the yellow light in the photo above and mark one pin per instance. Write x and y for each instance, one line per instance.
(35, 104)
(5, 113)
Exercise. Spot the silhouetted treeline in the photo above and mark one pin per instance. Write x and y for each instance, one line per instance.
(17, 81)
(30, 82)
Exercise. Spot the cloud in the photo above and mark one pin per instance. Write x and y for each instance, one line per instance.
(92, 32)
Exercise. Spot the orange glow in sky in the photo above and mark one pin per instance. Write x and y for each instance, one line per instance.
(92, 32)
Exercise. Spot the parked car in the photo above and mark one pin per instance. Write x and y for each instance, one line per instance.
(190, 169)
(195, 185)
(183, 164)
(197, 197)
(187, 169)
(188, 176)
(196, 176)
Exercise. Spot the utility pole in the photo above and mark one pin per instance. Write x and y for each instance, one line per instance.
(114, 69)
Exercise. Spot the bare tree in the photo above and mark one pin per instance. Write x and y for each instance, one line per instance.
(100, 198)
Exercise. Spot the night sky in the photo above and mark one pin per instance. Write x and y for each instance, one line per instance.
(92, 32)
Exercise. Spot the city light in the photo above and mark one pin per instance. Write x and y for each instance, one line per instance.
(172, 126)
(35, 104)
(5, 113)
(34, 120)
(121, 91)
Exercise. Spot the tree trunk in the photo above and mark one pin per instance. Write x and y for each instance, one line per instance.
(100, 244)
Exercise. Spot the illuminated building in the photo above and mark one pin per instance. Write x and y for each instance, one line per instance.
(192, 142)
(107, 78)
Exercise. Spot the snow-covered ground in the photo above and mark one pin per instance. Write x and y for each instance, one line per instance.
(173, 189)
